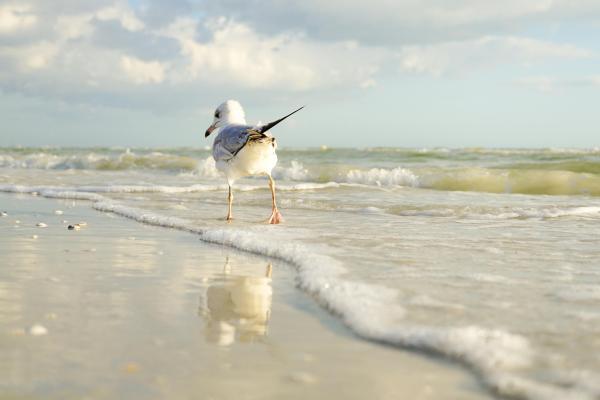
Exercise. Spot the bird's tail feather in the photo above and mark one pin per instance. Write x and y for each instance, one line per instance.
(268, 126)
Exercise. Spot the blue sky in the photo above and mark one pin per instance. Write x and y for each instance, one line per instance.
(378, 73)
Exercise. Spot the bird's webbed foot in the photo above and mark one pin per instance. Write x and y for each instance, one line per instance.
(276, 217)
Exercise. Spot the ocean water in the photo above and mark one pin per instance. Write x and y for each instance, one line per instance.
(486, 257)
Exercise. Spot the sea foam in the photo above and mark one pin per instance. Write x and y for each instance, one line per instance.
(383, 177)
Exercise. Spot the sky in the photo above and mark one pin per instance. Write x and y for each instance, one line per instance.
(406, 73)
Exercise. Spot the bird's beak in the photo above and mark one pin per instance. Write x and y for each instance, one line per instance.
(209, 130)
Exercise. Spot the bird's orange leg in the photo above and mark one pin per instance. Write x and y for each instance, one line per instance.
(275, 215)
(229, 203)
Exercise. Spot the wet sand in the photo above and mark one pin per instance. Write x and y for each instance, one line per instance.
(117, 309)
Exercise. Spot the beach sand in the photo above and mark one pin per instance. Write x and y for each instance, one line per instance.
(117, 309)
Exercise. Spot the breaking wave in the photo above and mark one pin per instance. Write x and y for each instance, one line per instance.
(549, 172)
(112, 161)
(481, 180)
(499, 213)
(514, 181)
(477, 179)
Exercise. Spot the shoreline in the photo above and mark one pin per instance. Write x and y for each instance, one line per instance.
(166, 292)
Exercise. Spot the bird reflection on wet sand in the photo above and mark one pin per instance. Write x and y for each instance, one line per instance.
(236, 307)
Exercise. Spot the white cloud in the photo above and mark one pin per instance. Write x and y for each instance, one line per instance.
(473, 12)
(28, 58)
(141, 72)
(122, 14)
(73, 60)
(73, 26)
(402, 21)
(102, 49)
(548, 84)
(369, 83)
(459, 57)
(544, 84)
(238, 55)
(15, 17)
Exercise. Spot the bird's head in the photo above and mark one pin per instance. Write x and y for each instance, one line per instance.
(230, 112)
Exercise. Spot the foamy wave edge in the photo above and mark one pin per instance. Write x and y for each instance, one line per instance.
(495, 356)
(161, 188)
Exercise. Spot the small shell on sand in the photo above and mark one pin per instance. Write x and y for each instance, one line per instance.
(82, 223)
(307, 357)
(38, 330)
(131, 368)
(75, 227)
(58, 212)
(51, 315)
(34, 236)
(17, 221)
(3, 214)
(304, 378)
(41, 225)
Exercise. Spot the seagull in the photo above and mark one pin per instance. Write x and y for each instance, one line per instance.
(243, 150)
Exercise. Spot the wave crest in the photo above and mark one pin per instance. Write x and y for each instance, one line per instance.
(97, 161)
(383, 177)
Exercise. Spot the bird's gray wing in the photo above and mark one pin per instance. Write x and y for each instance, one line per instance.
(231, 139)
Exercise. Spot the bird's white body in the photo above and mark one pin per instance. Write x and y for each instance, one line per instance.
(255, 158)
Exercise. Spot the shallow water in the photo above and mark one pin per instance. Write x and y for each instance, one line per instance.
(486, 257)
(123, 310)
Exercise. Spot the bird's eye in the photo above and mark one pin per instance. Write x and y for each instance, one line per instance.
(217, 114)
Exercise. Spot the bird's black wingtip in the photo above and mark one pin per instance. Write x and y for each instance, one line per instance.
(268, 126)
